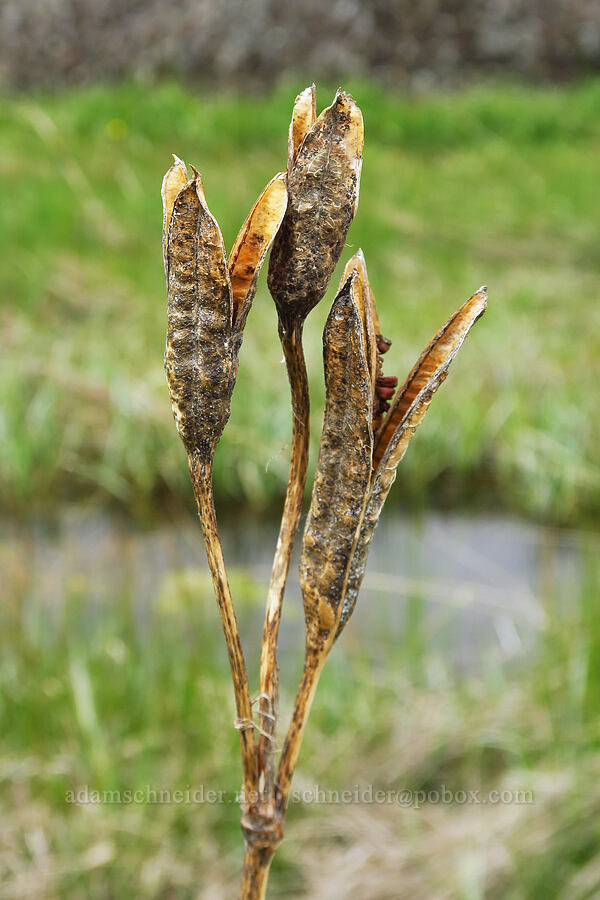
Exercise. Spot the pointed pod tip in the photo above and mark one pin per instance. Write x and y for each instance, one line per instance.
(174, 181)
(356, 265)
(346, 103)
(342, 96)
(197, 183)
(308, 90)
(308, 94)
(482, 296)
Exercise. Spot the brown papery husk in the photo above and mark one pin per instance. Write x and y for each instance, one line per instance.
(408, 411)
(365, 303)
(175, 179)
(439, 352)
(343, 469)
(323, 190)
(252, 245)
(371, 324)
(304, 116)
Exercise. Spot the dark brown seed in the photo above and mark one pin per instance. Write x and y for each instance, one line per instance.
(323, 194)
(343, 469)
(383, 343)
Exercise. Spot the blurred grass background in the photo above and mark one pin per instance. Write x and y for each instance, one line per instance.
(493, 184)
(103, 699)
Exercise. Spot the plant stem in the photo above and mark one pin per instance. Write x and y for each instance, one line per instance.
(263, 830)
(290, 333)
(313, 665)
(201, 472)
(255, 873)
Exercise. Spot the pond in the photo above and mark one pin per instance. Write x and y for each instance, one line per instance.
(474, 588)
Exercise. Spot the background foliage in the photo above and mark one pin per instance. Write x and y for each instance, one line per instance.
(112, 668)
(494, 185)
(263, 42)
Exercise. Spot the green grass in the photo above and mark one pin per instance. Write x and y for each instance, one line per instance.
(495, 185)
(123, 697)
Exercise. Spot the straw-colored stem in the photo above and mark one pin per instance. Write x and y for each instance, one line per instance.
(201, 472)
(313, 665)
(263, 830)
(290, 334)
(255, 872)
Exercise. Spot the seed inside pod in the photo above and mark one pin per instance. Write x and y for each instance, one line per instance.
(385, 386)
(383, 343)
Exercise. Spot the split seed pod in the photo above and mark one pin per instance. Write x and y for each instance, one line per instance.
(324, 165)
(343, 468)
(208, 301)
(304, 115)
(396, 431)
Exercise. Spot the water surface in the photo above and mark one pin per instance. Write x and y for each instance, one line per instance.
(474, 588)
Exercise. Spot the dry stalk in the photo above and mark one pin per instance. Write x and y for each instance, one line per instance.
(201, 474)
(305, 214)
(348, 494)
(291, 342)
(323, 178)
(208, 302)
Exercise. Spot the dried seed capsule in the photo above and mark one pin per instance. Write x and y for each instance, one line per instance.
(323, 194)
(199, 360)
(206, 315)
(343, 468)
(408, 410)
